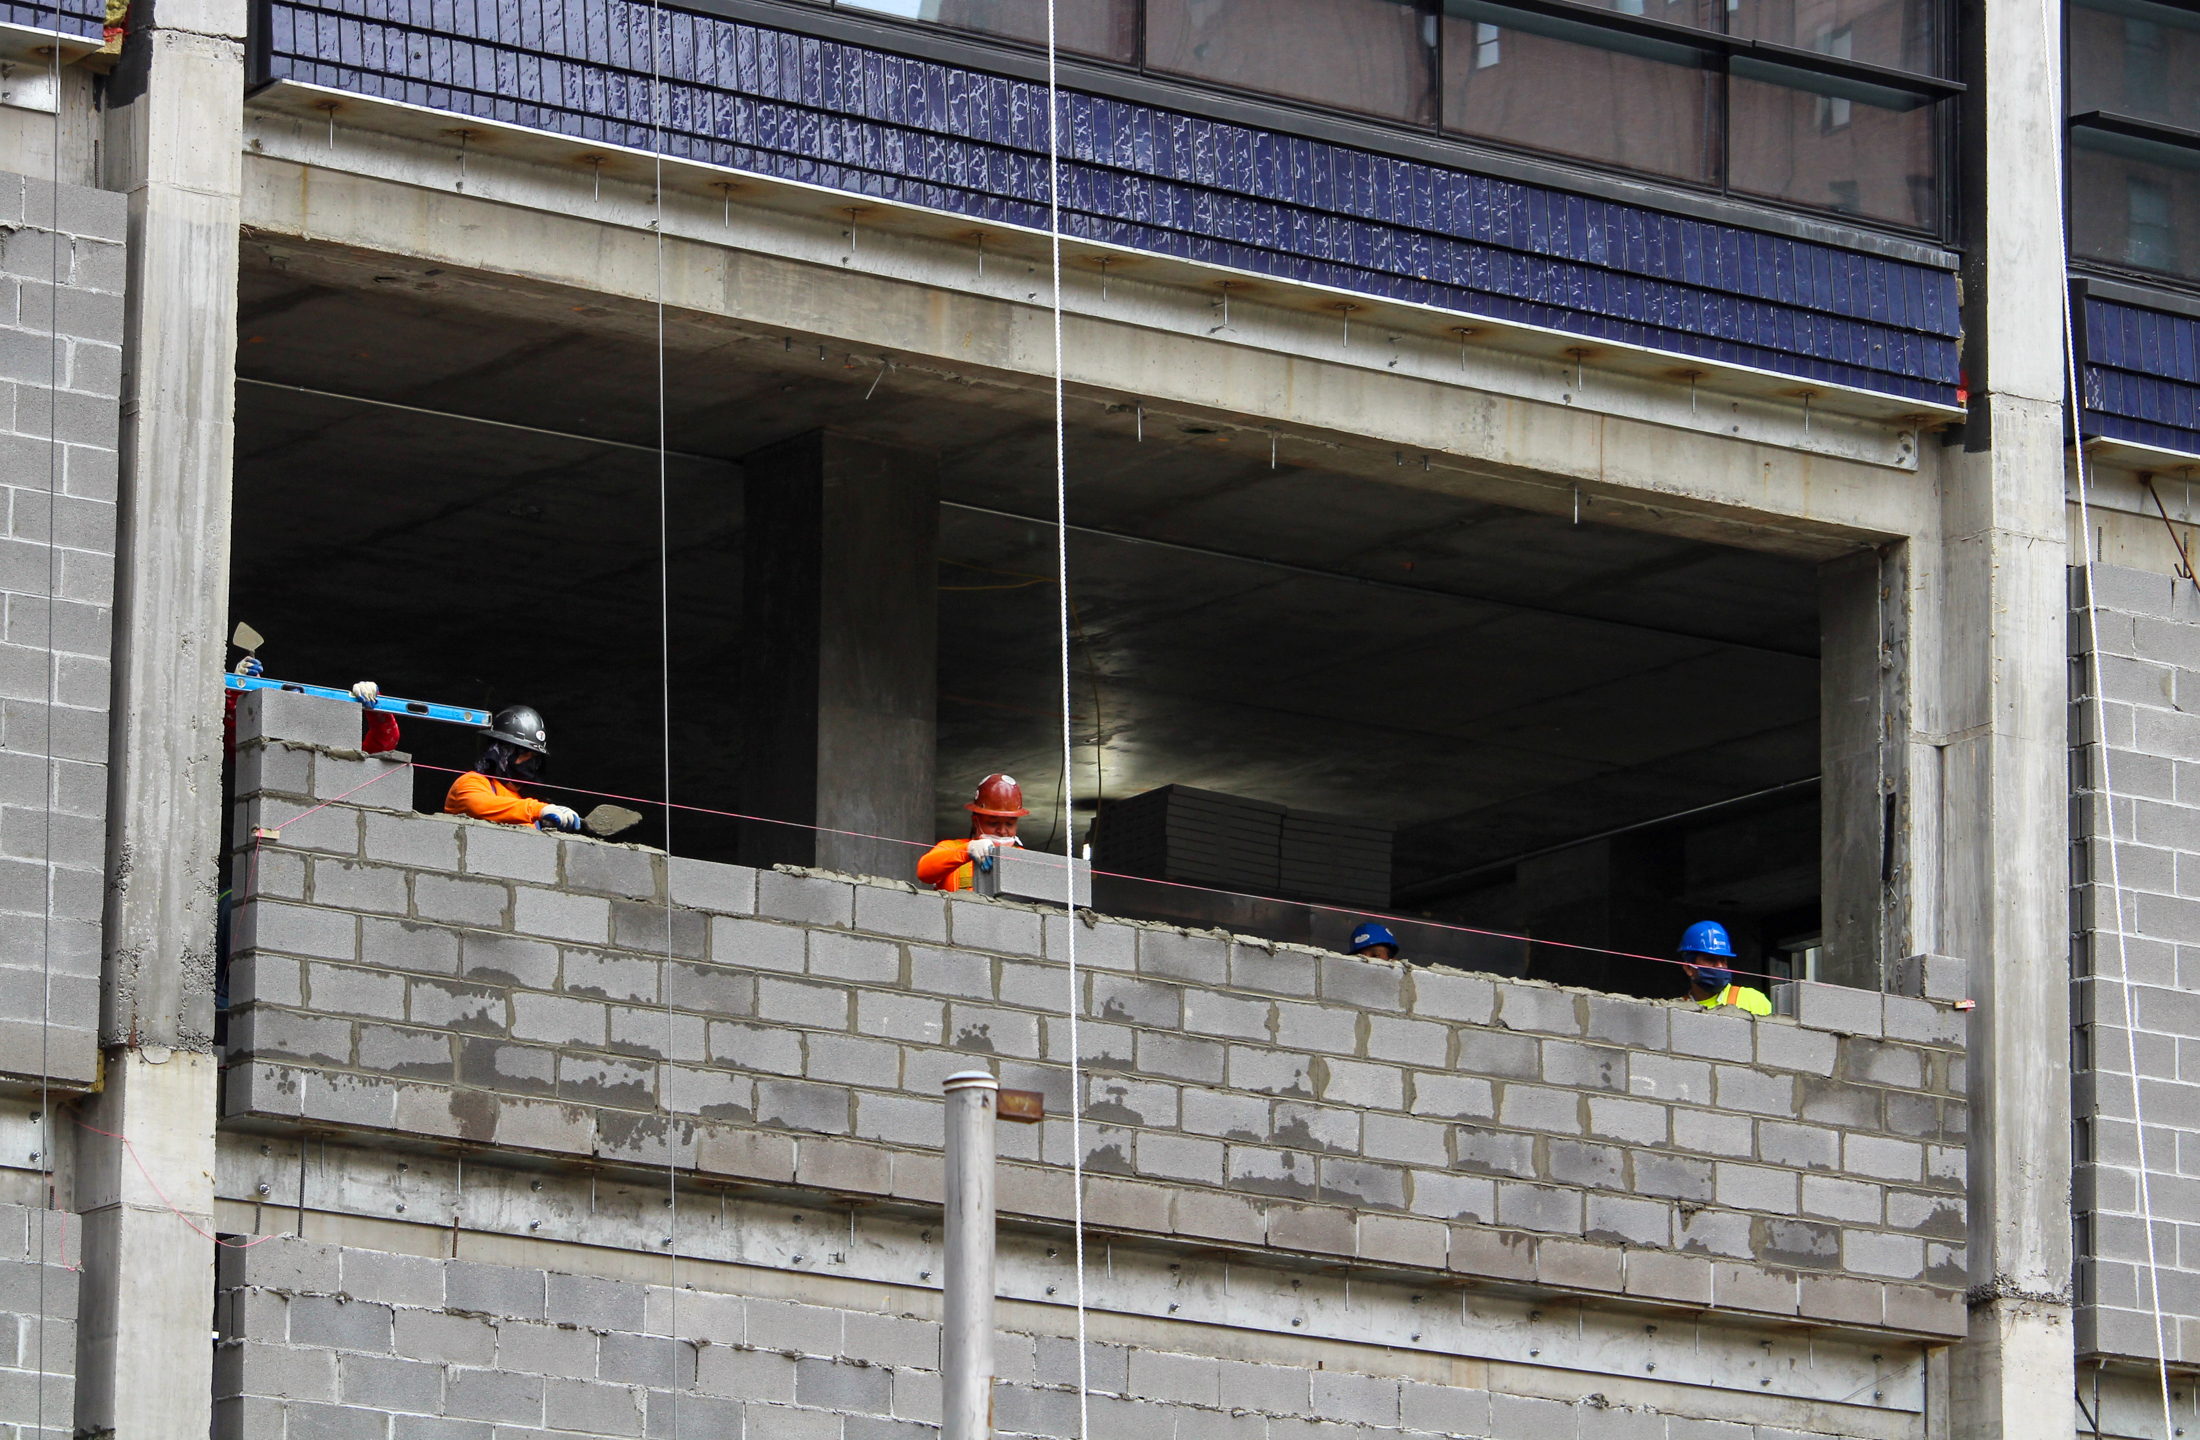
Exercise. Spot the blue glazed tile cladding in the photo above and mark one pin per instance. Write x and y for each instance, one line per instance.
(2142, 376)
(897, 128)
(66, 17)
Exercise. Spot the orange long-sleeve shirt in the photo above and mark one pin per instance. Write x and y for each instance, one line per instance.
(487, 798)
(946, 866)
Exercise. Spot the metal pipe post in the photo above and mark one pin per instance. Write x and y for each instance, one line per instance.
(966, 1361)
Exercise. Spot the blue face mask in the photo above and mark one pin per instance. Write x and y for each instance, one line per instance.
(1714, 977)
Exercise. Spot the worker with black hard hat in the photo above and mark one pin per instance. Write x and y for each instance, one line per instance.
(994, 811)
(515, 747)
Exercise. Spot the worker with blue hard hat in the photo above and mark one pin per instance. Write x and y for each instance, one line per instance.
(1373, 940)
(1707, 954)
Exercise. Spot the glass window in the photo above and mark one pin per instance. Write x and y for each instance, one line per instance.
(1104, 28)
(1564, 86)
(1372, 56)
(2134, 203)
(1899, 34)
(2123, 54)
(1833, 144)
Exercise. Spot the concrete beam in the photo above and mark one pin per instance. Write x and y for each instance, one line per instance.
(1520, 432)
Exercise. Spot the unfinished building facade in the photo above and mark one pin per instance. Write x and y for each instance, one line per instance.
(1342, 476)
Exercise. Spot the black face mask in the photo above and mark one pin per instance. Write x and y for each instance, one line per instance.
(509, 761)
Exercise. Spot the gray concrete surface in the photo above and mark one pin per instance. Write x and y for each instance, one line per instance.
(61, 281)
(40, 1252)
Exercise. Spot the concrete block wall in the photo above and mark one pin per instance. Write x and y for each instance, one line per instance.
(330, 1342)
(414, 974)
(40, 1254)
(61, 280)
(2149, 668)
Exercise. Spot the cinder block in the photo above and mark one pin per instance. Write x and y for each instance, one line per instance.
(296, 930)
(597, 867)
(643, 925)
(804, 899)
(1576, 1265)
(1363, 984)
(406, 945)
(1450, 1097)
(339, 1324)
(1656, 1077)
(1354, 1399)
(799, 1105)
(494, 1395)
(757, 945)
(850, 957)
(1661, 1276)
(902, 912)
(1099, 945)
(1356, 1083)
(1884, 1064)
(1443, 1409)
(1754, 1091)
(1533, 1107)
(1584, 1067)
(1540, 1009)
(301, 719)
(1180, 955)
(497, 1290)
(1319, 1229)
(510, 852)
(1943, 978)
(1409, 1042)
(391, 1279)
(382, 1382)
(1876, 1252)
(1542, 1208)
(1882, 1157)
(1837, 1008)
(1180, 1057)
(421, 842)
(1272, 969)
(1840, 1300)
(1444, 1196)
(582, 918)
(1710, 1033)
(593, 1303)
(1672, 1176)
(709, 885)
(1755, 1187)
(1447, 995)
(594, 1408)
(1636, 1025)
(461, 902)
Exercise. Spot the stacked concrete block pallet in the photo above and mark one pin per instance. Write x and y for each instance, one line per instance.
(417, 975)
(61, 280)
(2149, 668)
(40, 1254)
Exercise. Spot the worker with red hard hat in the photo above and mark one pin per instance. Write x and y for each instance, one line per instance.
(994, 811)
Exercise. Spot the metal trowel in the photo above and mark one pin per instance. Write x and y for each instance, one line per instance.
(605, 821)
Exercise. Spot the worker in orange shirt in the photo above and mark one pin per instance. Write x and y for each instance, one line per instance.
(994, 811)
(516, 746)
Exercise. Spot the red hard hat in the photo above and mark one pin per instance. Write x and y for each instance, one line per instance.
(999, 796)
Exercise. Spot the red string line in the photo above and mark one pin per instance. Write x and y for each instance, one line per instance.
(1445, 926)
(179, 1214)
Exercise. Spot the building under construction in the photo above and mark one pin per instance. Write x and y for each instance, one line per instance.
(1739, 472)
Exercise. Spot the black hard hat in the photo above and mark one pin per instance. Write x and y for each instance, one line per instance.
(520, 725)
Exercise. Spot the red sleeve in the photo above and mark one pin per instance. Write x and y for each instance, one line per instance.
(381, 732)
(229, 722)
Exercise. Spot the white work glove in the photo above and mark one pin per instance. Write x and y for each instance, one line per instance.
(559, 817)
(981, 849)
(249, 666)
(367, 693)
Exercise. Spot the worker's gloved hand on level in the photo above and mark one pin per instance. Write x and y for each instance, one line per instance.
(559, 817)
(367, 693)
(249, 665)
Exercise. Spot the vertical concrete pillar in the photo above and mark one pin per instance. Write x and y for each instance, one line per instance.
(1861, 601)
(174, 147)
(840, 655)
(2003, 700)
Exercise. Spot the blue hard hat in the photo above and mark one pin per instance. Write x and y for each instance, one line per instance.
(1707, 937)
(1370, 935)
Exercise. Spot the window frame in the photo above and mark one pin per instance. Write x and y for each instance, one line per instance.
(2130, 128)
(1717, 51)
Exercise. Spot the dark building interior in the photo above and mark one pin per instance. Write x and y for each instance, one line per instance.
(1580, 732)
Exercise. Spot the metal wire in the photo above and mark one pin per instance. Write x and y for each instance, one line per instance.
(46, 774)
(664, 659)
(1069, 776)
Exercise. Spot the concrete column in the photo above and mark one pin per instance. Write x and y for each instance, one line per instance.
(2002, 704)
(174, 147)
(1861, 600)
(840, 656)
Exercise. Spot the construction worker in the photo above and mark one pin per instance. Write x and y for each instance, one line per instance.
(994, 811)
(515, 746)
(1373, 940)
(1707, 954)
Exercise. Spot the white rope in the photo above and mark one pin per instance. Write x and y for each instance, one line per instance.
(664, 696)
(2049, 35)
(1069, 771)
(46, 774)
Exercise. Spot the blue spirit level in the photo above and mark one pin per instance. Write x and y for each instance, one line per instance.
(388, 704)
